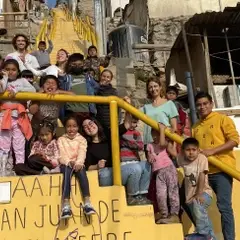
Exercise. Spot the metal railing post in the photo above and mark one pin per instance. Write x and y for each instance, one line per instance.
(117, 180)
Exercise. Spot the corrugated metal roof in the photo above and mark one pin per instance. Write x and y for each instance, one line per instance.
(213, 22)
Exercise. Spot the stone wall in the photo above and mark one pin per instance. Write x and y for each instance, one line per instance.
(86, 8)
(164, 31)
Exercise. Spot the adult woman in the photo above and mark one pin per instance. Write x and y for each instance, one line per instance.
(99, 158)
(55, 69)
(160, 110)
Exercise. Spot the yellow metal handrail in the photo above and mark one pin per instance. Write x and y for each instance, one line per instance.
(116, 102)
(82, 27)
(42, 33)
(53, 25)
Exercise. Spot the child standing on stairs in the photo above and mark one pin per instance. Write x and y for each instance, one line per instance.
(166, 176)
(15, 126)
(73, 148)
(197, 190)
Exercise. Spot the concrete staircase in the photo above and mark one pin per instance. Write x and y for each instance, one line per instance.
(65, 36)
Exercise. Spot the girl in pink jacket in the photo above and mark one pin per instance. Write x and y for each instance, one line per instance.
(73, 148)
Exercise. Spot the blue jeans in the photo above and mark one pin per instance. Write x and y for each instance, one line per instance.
(200, 215)
(135, 176)
(221, 183)
(66, 184)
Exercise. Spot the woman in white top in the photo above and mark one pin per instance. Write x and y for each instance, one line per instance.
(56, 69)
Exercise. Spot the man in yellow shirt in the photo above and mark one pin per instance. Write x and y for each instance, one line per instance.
(217, 136)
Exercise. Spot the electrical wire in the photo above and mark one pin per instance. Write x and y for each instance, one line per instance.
(224, 59)
(232, 50)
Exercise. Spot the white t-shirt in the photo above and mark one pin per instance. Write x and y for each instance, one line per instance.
(29, 60)
(51, 70)
(192, 170)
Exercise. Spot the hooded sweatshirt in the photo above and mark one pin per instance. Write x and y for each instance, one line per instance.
(72, 149)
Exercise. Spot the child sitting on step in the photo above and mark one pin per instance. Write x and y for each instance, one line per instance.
(73, 148)
(44, 156)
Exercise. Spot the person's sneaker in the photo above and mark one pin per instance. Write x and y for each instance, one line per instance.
(55, 170)
(46, 170)
(172, 219)
(162, 221)
(66, 212)
(134, 200)
(143, 200)
(88, 209)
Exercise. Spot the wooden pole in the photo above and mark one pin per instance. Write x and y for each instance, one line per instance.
(208, 69)
(29, 24)
(184, 35)
(235, 91)
(13, 13)
(160, 47)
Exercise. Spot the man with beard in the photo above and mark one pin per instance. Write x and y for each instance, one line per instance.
(80, 84)
(20, 43)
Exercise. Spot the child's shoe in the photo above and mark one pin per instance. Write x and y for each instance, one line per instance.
(46, 170)
(172, 219)
(88, 209)
(66, 212)
(55, 170)
(162, 221)
(134, 200)
(144, 200)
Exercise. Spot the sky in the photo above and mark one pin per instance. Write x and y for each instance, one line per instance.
(115, 3)
(118, 3)
(51, 3)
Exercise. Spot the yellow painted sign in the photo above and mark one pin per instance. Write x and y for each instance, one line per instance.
(35, 207)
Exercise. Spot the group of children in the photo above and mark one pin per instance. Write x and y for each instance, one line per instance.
(67, 154)
(36, 140)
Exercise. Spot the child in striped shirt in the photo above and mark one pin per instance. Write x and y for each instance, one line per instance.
(131, 143)
(135, 173)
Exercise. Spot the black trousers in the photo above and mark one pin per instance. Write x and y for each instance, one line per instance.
(33, 166)
(82, 178)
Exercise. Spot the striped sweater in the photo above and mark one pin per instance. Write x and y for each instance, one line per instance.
(131, 143)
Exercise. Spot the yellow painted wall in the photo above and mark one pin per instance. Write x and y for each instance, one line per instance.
(35, 204)
(35, 201)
